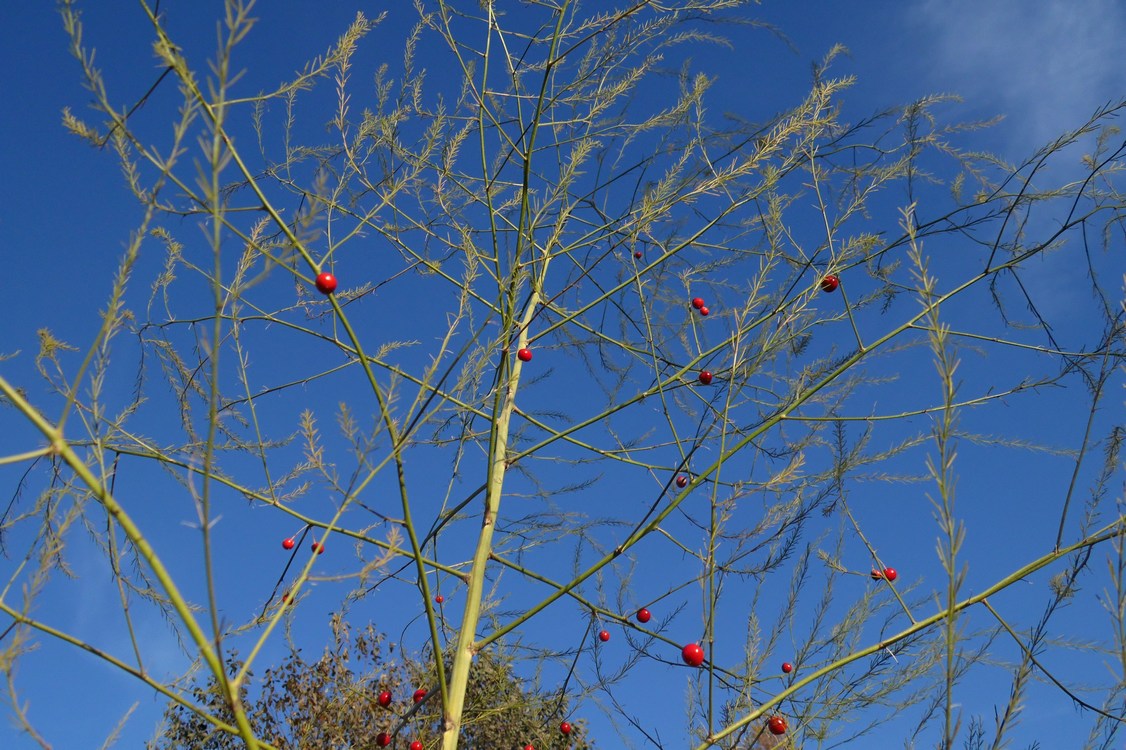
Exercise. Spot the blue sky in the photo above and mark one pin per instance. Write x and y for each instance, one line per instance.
(66, 217)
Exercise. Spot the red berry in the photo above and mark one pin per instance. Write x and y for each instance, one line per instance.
(705, 311)
(697, 302)
(416, 745)
(288, 543)
(777, 725)
(385, 698)
(285, 597)
(318, 548)
(637, 254)
(787, 667)
(383, 739)
(890, 574)
(877, 575)
(524, 355)
(682, 481)
(705, 377)
(643, 615)
(693, 655)
(565, 727)
(529, 747)
(326, 283)
(604, 635)
(439, 599)
(419, 694)
(830, 283)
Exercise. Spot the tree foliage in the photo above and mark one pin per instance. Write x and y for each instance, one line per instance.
(334, 702)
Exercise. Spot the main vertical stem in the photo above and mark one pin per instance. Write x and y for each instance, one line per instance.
(498, 464)
(505, 403)
(465, 650)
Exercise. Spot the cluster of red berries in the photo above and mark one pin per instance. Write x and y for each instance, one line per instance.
(290, 542)
(705, 377)
(383, 739)
(887, 573)
(693, 656)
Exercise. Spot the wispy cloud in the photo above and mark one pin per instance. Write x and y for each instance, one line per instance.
(1046, 65)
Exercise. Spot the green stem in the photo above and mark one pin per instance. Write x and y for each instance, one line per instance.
(504, 406)
(60, 447)
(173, 696)
(1110, 531)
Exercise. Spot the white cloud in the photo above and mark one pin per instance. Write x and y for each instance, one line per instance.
(1045, 64)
